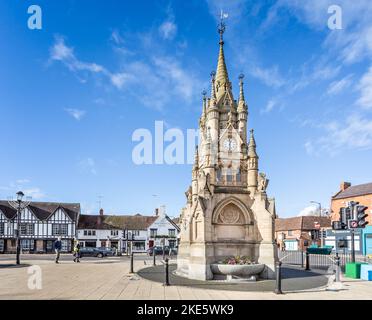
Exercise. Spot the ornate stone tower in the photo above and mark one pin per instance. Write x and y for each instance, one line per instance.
(228, 212)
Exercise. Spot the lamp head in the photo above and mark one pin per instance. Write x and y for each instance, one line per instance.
(20, 196)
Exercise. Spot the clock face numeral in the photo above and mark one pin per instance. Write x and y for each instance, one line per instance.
(229, 144)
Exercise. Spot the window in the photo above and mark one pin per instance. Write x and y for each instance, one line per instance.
(229, 175)
(60, 229)
(89, 232)
(114, 232)
(27, 229)
(172, 232)
(219, 175)
(27, 244)
(172, 243)
(290, 233)
(238, 176)
(139, 245)
(153, 233)
(2, 228)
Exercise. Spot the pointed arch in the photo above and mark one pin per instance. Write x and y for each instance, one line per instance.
(233, 202)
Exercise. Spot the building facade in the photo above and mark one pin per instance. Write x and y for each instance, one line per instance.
(297, 233)
(127, 233)
(41, 223)
(163, 231)
(228, 212)
(359, 193)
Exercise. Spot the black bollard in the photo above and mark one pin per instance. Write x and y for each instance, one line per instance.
(337, 263)
(278, 286)
(154, 257)
(166, 265)
(131, 262)
(307, 267)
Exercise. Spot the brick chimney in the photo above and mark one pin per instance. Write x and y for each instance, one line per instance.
(344, 185)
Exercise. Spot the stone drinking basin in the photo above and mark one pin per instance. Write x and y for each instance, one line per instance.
(231, 271)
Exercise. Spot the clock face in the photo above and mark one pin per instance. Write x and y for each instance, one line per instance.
(230, 144)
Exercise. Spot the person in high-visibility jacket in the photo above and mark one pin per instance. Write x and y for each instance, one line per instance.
(76, 251)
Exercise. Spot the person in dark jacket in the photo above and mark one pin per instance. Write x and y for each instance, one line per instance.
(57, 248)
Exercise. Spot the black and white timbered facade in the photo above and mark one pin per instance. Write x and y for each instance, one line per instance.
(41, 223)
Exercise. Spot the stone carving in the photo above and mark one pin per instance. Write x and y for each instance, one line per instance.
(262, 182)
(188, 194)
(230, 215)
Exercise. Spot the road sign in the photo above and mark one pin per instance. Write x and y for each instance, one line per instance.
(353, 224)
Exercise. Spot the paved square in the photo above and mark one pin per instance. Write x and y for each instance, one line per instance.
(109, 278)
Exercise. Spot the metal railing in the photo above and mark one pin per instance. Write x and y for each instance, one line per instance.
(316, 260)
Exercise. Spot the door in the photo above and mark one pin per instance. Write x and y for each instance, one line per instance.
(368, 244)
(151, 243)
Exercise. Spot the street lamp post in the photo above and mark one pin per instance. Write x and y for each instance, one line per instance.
(18, 205)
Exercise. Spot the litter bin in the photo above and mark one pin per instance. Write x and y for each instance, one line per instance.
(369, 275)
(353, 270)
(364, 269)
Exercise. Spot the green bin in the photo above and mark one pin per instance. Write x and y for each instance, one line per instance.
(353, 270)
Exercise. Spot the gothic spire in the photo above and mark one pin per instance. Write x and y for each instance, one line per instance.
(242, 105)
(222, 77)
(252, 146)
(204, 93)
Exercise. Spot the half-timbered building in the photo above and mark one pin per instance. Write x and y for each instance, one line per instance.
(41, 223)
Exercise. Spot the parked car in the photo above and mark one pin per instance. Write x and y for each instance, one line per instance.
(94, 252)
(159, 250)
(108, 251)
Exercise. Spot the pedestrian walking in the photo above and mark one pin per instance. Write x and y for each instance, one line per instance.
(57, 248)
(76, 251)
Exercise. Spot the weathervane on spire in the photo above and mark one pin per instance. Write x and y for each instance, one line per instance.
(222, 25)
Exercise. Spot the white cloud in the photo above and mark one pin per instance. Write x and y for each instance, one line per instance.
(137, 77)
(309, 211)
(338, 86)
(60, 52)
(365, 87)
(120, 79)
(116, 37)
(88, 165)
(34, 193)
(23, 181)
(271, 104)
(168, 30)
(271, 76)
(76, 113)
(354, 133)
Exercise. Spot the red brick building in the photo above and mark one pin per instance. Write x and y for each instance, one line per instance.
(292, 233)
(361, 193)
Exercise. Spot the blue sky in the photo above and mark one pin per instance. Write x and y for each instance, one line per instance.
(73, 93)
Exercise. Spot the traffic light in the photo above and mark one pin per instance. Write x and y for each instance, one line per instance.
(345, 216)
(361, 215)
(337, 225)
